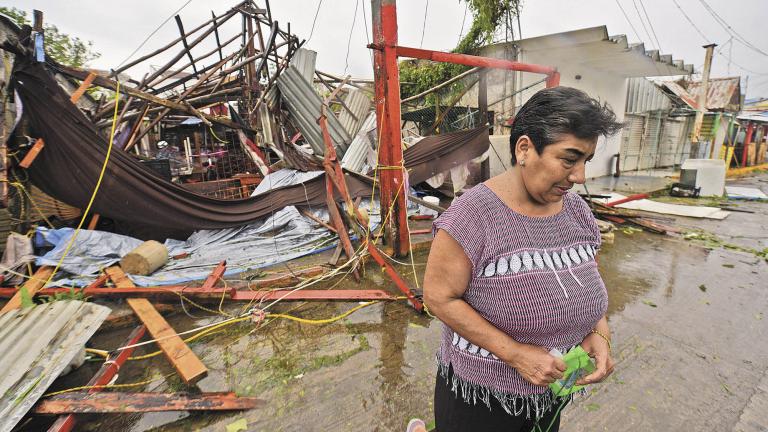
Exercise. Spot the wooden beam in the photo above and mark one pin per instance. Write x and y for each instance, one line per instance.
(189, 366)
(186, 363)
(169, 46)
(33, 285)
(83, 87)
(112, 85)
(32, 153)
(118, 277)
(321, 222)
(94, 221)
(186, 45)
(114, 402)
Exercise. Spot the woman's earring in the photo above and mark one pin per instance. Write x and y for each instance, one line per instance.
(522, 162)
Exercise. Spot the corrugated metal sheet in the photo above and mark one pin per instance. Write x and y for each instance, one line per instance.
(359, 103)
(631, 140)
(723, 94)
(266, 118)
(304, 61)
(356, 155)
(643, 95)
(36, 344)
(304, 109)
(649, 153)
(671, 140)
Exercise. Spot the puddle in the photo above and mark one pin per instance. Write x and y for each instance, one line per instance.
(371, 371)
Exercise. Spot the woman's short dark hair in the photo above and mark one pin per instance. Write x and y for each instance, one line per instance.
(557, 111)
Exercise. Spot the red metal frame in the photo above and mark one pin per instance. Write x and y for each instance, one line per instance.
(392, 186)
(215, 275)
(335, 176)
(66, 423)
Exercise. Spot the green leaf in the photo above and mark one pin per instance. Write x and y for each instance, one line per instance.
(649, 303)
(26, 299)
(703, 288)
(592, 407)
(238, 426)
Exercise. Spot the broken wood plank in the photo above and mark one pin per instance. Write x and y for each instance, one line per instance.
(122, 316)
(33, 285)
(186, 362)
(426, 204)
(112, 85)
(114, 402)
(108, 370)
(83, 87)
(94, 221)
(318, 220)
(336, 255)
(32, 153)
(118, 277)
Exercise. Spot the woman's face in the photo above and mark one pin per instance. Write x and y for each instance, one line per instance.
(549, 175)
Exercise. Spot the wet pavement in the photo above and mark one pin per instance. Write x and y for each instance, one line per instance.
(689, 328)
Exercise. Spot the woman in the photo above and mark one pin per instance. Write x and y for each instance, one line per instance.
(512, 274)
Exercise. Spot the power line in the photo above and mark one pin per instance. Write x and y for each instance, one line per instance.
(647, 33)
(424, 25)
(730, 30)
(349, 40)
(461, 32)
(365, 24)
(637, 35)
(317, 12)
(153, 33)
(658, 45)
(706, 39)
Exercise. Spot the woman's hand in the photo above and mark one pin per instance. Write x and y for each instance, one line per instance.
(536, 365)
(599, 349)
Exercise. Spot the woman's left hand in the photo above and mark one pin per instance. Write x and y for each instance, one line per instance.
(598, 349)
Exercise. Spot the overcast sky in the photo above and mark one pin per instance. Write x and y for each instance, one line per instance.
(117, 28)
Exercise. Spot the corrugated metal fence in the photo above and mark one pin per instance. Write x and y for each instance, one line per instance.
(654, 140)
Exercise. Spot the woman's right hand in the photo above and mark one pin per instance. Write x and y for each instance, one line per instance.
(536, 364)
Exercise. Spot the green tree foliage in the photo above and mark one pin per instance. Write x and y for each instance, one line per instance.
(487, 16)
(63, 48)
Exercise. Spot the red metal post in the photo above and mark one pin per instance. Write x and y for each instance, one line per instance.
(747, 141)
(66, 423)
(387, 78)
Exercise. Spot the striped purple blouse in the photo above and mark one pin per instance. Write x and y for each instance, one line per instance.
(534, 278)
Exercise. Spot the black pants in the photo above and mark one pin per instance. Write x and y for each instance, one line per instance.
(452, 414)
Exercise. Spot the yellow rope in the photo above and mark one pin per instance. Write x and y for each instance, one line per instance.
(95, 189)
(105, 354)
(216, 136)
(111, 386)
(322, 321)
(20, 187)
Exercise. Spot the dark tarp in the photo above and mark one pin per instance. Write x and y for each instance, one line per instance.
(69, 165)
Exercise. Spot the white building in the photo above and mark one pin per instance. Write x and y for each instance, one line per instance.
(587, 59)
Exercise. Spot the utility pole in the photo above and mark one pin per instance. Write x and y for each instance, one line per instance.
(704, 89)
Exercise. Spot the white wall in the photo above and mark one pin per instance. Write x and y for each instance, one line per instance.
(606, 87)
